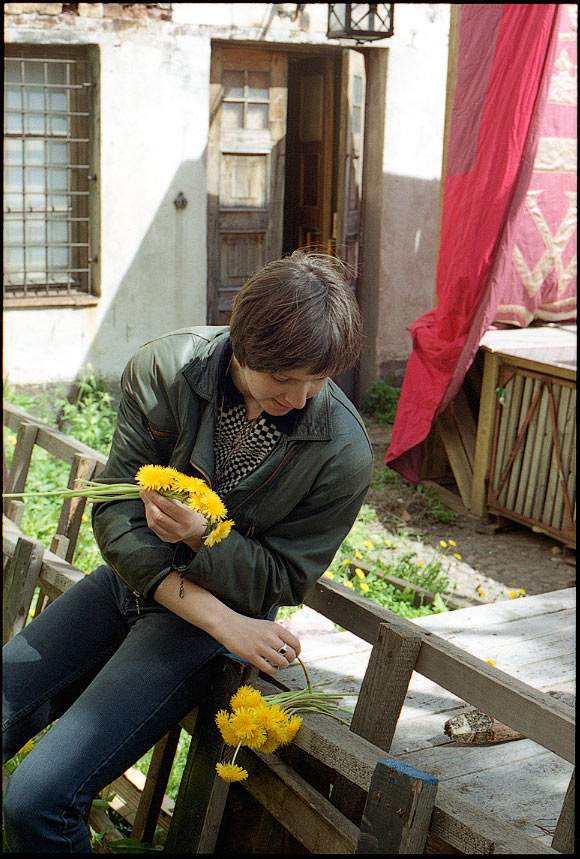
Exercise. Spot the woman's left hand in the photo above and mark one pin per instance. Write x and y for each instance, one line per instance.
(173, 521)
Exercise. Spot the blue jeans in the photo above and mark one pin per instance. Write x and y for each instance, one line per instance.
(116, 679)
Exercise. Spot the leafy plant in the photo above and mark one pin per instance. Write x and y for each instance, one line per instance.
(439, 511)
(380, 400)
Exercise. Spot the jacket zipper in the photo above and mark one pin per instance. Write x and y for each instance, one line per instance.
(136, 594)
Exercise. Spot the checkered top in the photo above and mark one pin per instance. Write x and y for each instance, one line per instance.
(243, 445)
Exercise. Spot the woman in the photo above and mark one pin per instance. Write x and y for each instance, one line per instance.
(127, 652)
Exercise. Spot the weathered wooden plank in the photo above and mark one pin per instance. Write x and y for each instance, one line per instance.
(72, 509)
(528, 448)
(484, 440)
(52, 440)
(291, 800)
(398, 810)
(457, 456)
(202, 794)
(151, 798)
(507, 699)
(20, 580)
(564, 836)
(380, 700)
(26, 439)
(514, 477)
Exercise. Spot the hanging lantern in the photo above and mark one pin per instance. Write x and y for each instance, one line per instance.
(363, 22)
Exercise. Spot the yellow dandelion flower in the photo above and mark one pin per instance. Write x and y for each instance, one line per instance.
(156, 477)
(514, 594)
(246, 728)
(12, 439)
(349, 584)
(359, 573)
(364, 587)
(443, 544)
(491, 661)
(522, 592)
(452, 543)
(480, 591)
(387, 542)
(420, 564)
(346, 561)
(221, 530)
(231, 772)
(358, 555)
(212, 506)
(269, 716)
(368, 544)
(222, 720)
(271, 744)
(457, 555)
(191, 485)
(329, 575)
(84, 517)
(293, 726)
(246, 696)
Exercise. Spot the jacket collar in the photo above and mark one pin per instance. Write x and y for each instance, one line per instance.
(202, 375)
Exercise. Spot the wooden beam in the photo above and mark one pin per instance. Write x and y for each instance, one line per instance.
(456, 454)
(484, 438)
(563, 839)
(298, 806)
(398, 810)
(20, 580)
(151, 799)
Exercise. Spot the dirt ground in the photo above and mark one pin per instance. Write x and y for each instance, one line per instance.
(495, 560)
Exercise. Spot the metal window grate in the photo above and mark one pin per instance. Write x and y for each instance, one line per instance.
(47, 176)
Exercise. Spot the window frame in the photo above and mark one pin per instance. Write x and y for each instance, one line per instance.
(82, 250)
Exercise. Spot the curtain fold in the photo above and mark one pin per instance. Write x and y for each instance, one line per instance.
(504, 61)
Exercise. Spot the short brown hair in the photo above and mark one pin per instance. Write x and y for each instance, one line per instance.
(297, 312)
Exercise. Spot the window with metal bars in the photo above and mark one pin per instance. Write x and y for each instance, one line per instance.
(49, 177)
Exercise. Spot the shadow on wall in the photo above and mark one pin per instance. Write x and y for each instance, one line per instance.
(164, 286)
(400, 264)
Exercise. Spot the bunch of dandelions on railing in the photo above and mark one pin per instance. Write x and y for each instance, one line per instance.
(267, 722)
(191, 491)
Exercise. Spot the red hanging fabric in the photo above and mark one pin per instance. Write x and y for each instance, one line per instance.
(504, 57)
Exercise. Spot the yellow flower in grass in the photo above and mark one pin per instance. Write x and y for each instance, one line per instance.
(387, 543)
(156, 477)
(358, 555)
(368, 544)
(452, 543)
(246, 696)
(420, 564)
(364, 587)
(349, 584)
(480, 591)
(221, 530)
(443, 544)
(514, 594)
(491, 661)
(329, 575)
(457, 555)
(359, 573)
(231, 772)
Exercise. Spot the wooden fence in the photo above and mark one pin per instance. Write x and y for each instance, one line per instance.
(335, 789)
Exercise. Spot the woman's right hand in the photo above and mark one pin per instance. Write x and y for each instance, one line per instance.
(259, 642)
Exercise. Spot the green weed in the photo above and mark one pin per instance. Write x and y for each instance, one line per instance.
(380, 400)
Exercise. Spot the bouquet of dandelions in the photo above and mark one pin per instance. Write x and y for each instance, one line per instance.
(191, 491)
(267, 722)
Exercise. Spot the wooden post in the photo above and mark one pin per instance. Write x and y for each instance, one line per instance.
(19, 583)
(563, 840)
(381, 697)
(155, 784)
(484, 439)
(398, 810)
(202, 794)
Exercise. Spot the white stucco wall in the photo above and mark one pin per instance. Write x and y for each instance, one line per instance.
(412, 161)
(154, 90)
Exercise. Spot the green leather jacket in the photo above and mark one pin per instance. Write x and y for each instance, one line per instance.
(291, 514)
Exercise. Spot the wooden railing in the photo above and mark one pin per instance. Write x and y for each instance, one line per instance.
(286, 804)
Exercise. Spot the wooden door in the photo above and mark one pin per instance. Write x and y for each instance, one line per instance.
(348, 227)
(245, 165)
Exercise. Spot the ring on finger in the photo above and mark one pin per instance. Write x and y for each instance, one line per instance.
(283, 650)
